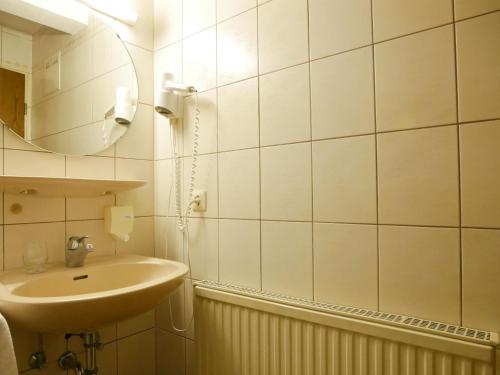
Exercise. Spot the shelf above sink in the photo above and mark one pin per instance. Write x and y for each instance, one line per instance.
(65, 187)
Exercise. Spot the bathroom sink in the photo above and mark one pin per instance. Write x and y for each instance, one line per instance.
(105, 290)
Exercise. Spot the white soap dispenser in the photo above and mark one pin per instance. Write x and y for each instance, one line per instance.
(119, 221)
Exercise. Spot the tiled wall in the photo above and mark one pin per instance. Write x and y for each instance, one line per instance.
(350, 149)
(130, 345)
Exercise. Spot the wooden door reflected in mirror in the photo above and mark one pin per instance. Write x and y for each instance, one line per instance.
(12, 99)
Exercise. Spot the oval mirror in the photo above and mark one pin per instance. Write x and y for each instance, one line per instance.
(73, 94)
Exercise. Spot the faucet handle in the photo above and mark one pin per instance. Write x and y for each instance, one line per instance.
(74, 242)
(89, 247)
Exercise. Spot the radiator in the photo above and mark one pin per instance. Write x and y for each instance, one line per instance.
(241, 331)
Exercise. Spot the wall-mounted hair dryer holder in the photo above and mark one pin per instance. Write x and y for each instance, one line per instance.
(123, 110)
(169, 100)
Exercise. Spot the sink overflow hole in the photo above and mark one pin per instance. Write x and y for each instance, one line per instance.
(81, 277)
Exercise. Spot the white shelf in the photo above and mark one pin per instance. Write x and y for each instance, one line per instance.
(65, 187)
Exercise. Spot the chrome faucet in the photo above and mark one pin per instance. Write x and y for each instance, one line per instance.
(77, 250)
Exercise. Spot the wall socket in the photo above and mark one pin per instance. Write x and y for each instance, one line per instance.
(202, 205)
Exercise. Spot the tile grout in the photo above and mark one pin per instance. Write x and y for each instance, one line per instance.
(457, 114)
(475, 122)
(377, 204)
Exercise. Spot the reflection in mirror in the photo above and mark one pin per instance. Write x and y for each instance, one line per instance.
(70, 94)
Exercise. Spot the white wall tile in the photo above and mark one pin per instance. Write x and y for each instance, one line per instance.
(480, 174)
(191, 358)
(165, 193)
(136, 324)
(205, 179)
(337, 26)
(168, 60)
(163, 318)
(188, 309)
(90, 167)
(88, 207)
(167, 22)
(478, 53)
(285, 106)
(207, 122)
(199, 60)
(239, 247)
(107, 359)
(433, 252)
(425, 63)
(143, 64)
(26, 163)
(283, 39)
(345, 184)
(1, 249)
(168, 239)
(335, 112)
(392, 18)
(197, 15)
(170, 353)
(202, 246)
(418, 177)
(286, 182)
(346, 264)
(33, 209)
(17, 237)
(137, 143)
(237, 48)
(239, 184)
(168, 137)
(142, 239)
(287, 258)
(481, 281)
(238, 115)
(142, 199)
(230, 8)
(136, 354)
(466, 8)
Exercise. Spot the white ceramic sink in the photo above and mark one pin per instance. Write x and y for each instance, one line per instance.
(105, 290)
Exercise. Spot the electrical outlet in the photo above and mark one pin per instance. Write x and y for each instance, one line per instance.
(201, 206)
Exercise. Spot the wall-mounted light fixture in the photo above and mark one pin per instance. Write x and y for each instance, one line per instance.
(64, 15)
(112, 8)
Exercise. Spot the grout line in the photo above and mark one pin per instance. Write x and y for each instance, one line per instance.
(322, 139)
(132, 334)
(260, 153)
(377, 202)
(345, 51)
(311, 148)
(59, 93)
(455, 56)
(217, 140)
(3, 198)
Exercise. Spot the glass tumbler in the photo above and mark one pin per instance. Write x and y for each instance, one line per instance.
(35, 257)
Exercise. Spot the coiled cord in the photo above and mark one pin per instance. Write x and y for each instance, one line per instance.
(183, 222)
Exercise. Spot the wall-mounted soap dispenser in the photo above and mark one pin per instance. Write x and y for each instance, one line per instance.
(119, 221)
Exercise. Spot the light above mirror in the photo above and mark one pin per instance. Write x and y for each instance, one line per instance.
(69, 94)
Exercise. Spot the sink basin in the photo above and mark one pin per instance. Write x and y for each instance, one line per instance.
(105, 290)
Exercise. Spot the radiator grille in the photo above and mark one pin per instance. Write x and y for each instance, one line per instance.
(236, 340)
(428, 326)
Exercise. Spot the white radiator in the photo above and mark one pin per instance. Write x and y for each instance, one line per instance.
(241, 331)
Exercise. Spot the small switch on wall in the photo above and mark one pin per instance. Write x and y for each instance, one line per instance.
(201, 200)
